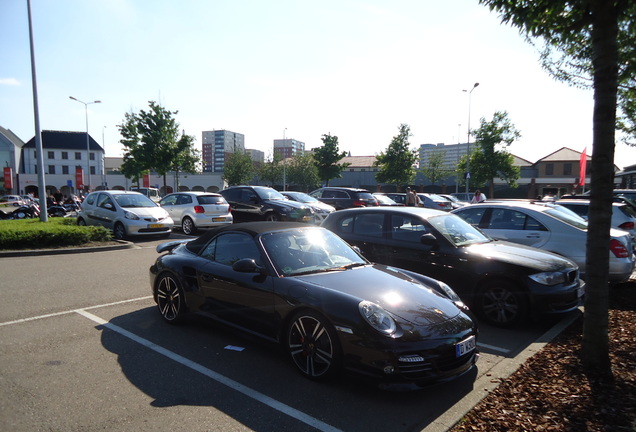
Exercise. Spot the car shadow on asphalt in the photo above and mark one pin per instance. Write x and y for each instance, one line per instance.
(202, 363)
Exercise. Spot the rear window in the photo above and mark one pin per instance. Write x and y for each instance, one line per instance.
(365, 196)
(211, 199)
(627, 210)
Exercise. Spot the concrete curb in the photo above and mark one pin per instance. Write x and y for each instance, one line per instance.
(122, 244)
(491, 380)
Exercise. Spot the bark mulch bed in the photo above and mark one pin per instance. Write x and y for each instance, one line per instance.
(551, 393)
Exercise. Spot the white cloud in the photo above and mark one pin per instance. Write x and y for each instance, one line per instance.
(9, 81)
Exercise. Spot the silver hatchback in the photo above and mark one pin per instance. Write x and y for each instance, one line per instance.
(126, 213)
(550, 228)
(194, 210)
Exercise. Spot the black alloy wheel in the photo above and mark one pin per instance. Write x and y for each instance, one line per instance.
(187, 226)
(272, 217)
(313, 346)
(502, 304)
(170, 299)
(119, 231)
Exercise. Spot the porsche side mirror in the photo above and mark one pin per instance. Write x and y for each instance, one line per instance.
(247, 265)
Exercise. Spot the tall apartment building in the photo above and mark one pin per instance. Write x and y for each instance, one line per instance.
(452, 153)
(258, 156)
(288, 147)
(217, 145)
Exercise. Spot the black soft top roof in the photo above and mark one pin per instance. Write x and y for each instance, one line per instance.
(251, 228)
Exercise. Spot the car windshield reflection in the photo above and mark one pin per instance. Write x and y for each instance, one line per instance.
(133, 201)
(566, 215)
(458, 231)
(309, 251)
(266, 193)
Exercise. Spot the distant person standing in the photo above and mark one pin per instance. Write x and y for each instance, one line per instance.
(478, 197)
(411, 199)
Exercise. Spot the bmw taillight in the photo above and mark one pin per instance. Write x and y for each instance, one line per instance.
(618, 249)
(199, 209)
(627, 226)
(358, 203)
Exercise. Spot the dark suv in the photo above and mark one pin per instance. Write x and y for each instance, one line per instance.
(343, 197)
(250, 203)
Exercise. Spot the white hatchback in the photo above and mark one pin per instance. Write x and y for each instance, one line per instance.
(126, 213)
(194, 210)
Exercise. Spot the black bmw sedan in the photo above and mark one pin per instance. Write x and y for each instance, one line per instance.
(305, 288)
(504, 283)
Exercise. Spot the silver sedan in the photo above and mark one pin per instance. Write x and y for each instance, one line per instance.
(549, 228)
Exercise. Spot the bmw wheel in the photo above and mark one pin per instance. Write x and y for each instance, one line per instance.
(502, 304)
(272, 217)
(170, 300)
(119, 231)
(313, 345)
(187, 226)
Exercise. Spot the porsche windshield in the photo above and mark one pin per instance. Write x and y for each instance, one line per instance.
(312, 250)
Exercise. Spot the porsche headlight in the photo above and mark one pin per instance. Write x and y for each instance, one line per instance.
(377, 317)
(449, 292)
(130, 215)
(549, 278)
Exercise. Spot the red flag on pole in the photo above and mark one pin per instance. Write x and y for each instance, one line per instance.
(582, 167)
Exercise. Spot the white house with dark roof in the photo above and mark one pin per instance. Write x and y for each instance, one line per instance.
(64, 151)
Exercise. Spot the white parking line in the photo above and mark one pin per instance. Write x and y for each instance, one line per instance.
(285, 409)
(23, 320)
(492, 347)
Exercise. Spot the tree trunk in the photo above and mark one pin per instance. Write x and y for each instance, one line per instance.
(595, 350)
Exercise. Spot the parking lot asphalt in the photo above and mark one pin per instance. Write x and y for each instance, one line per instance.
(481, 387)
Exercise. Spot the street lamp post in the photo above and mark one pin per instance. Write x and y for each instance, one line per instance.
(284, 162)
(104, 185)
(88, 148)
(459, 128)
(468, 142)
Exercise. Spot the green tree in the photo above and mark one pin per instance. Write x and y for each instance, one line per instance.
(272, 170)
(327, 158)
(596, 38)
(151, 141)
(487, 162)
(186, 158)
(238, 169)
(397, 164)
(302, 171)
(134, 166)
(433, 169)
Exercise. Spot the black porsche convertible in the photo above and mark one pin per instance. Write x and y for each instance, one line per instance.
(331, 309)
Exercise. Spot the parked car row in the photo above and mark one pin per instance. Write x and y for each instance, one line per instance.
(387, 291)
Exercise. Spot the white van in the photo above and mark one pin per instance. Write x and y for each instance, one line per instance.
(150, 192)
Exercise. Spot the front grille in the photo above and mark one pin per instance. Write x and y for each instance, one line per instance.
(151, 230)
(434, 364)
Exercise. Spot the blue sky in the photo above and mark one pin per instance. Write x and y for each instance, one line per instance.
(354, 69)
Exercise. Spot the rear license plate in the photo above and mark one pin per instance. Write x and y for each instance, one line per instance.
(218, 219)
(465, 346)
(155, 226)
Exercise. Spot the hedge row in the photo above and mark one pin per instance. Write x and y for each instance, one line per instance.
(57, 232)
